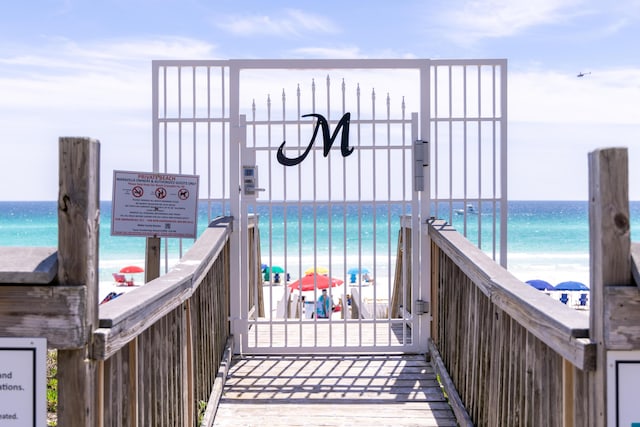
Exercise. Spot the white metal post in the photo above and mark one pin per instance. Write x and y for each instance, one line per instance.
(238, 318)
(425, 203)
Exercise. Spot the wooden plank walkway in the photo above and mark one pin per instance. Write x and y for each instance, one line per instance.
(338, 390)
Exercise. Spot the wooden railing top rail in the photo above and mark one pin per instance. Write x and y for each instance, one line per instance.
(563, 329)
(135, 311)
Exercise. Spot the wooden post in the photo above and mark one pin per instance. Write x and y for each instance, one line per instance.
(610, 263)
(152, 259)
(78, 237)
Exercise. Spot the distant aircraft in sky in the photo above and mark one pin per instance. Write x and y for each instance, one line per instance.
(581, 74)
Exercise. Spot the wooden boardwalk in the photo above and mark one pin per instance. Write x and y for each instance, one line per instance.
(338, 390)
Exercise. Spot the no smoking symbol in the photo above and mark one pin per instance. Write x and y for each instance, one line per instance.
(183, 194)
(161, 193)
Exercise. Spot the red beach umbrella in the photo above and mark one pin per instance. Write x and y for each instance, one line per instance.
(131, 269)
(322, 282)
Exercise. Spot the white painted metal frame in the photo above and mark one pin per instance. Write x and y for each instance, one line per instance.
(198, 129)
(299, 334)
(469, 150)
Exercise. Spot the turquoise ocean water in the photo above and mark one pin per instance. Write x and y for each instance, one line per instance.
(545, 238)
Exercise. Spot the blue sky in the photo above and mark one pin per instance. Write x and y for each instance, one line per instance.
(72, 68)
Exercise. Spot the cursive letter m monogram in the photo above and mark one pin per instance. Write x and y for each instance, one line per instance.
(328, 141)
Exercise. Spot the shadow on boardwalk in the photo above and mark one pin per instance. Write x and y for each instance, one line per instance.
(341, 390)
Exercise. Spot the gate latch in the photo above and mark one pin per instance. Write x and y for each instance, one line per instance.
(250, 180)
(422, 307)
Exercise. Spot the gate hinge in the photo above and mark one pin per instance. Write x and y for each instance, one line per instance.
(420, 161)
(422, 307)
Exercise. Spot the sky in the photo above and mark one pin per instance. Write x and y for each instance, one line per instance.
(83, 68)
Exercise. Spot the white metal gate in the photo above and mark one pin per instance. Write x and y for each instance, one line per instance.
(329, 158)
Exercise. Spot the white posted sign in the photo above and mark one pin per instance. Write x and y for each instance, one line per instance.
(154, 204)
(623, 377)
(23, 382)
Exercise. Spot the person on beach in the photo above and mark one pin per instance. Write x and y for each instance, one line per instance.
(323, 307)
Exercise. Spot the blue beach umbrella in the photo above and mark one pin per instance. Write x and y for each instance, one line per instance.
(571, 286)
(541, 285)
(358, 270)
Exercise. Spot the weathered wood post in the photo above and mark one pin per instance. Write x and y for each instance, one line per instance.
(610, 243)
(78, 237)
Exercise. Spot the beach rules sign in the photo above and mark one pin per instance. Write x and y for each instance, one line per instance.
(23, 381)
(151, 204)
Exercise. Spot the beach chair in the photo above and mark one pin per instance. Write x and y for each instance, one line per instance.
(120, 279)
(564, 298)
(583, 300)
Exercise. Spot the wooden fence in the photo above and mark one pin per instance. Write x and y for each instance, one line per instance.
(152, 356)
(515, 355)
(511, 355)
(160, 346)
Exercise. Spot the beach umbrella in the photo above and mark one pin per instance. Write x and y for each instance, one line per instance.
(308, 282)
(264, 267)
(131, 269)
(541, 285)
(317, 270)
(571, 286)
(274, 269)
(358, 270)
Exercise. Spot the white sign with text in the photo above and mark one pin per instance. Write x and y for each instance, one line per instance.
(154, 204)
(623, 380)
(23, 382)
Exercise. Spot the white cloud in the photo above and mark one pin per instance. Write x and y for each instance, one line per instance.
(290, 23)
(556, 119)
(328, 52)
(101, 90)
(479, 19)
(110, 75)
(606, 96)
(348, 52)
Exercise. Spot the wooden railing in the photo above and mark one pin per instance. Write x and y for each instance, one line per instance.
(510, 355)
(151, 357)
(162, 344)
(515, 355)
